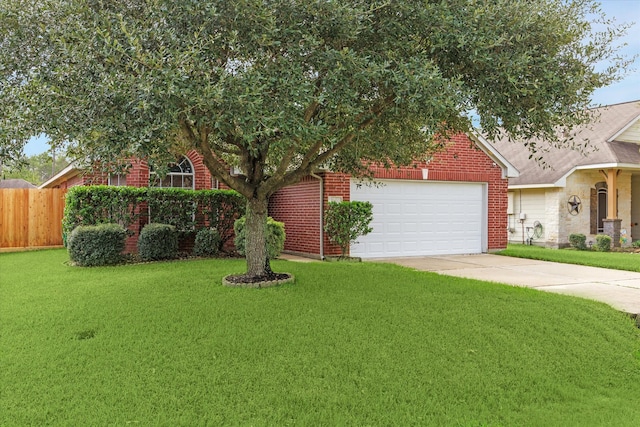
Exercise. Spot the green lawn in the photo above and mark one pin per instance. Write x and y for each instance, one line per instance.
(615, 260)
(347, 344)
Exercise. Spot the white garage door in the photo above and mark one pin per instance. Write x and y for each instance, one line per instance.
(412, 218)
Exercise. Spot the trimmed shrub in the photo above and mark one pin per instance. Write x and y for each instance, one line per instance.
(603, 243)
(578, 241)
(207, 243)
(275, 237)
(344, 222)
(157, 242)
(173, 206)
(93, 245)
(100, 204)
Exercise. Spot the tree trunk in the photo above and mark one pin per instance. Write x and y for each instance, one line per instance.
(255, 243)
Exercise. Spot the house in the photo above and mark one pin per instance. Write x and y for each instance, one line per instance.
(597, 192)
(188, 172)
(15, 183)
(452, 203)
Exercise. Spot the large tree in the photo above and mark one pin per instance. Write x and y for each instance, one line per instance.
(280, 88)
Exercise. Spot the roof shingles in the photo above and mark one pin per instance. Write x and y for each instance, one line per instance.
(608, 122)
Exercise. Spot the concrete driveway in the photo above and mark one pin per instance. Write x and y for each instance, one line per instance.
(620, 289)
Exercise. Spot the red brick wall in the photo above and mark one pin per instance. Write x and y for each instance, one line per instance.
(298, 206)
(462, 161)
(76, 180)
(138, 175)
(202, 176)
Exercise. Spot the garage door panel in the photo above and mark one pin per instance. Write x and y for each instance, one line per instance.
(422, 218)
(393, 208)
(410, 227)
(393, 227)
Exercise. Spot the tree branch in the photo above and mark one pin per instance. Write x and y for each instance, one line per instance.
(309, 162)
(285, 162)
(216, 166)
(371, 117)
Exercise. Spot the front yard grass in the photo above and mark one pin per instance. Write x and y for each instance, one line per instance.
(347, 344)
(615, 260)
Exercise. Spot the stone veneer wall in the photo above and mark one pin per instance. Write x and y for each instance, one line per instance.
(554, 203)
(558, 223)
(635, 207)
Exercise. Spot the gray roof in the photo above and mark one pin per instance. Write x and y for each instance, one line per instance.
(608, 122)
(15, 183)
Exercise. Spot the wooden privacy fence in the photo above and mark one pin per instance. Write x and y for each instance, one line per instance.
(31, 217)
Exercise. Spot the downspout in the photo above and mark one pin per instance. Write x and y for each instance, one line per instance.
(321, 214)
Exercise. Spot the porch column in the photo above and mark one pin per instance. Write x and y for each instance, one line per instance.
(612, 192)
(612, 229)
(612, 223)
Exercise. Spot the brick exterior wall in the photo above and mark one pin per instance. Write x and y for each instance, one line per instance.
(462, 161)
(76, 180)
(138, 176)
(298, 206)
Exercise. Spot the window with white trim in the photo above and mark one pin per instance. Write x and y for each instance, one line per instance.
(180, 176)
(117, 180)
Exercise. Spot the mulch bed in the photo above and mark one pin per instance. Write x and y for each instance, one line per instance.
(264, 281)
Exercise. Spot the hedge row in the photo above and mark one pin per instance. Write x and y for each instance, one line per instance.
(97, 245)
(183, 209)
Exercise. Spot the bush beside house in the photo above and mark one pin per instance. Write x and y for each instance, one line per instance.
(578, 241)
(207, 243)
(133, 208)
(346, 221)
(158, 242)
(603, 243)
(94, 245)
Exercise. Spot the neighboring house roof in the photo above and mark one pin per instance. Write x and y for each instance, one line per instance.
(614, 134)
(15, 183)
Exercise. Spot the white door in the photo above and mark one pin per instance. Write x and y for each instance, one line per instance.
(412, 218)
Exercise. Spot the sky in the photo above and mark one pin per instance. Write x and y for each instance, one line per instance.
(628, 89)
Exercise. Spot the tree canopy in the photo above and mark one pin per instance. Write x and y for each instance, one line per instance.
(280, 88)
(36, 168)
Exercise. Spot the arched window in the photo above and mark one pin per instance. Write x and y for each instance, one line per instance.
(180, 175)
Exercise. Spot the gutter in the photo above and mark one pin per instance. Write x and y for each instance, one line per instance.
(321, 213)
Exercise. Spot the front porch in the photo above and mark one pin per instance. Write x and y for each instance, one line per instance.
(591, 201)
